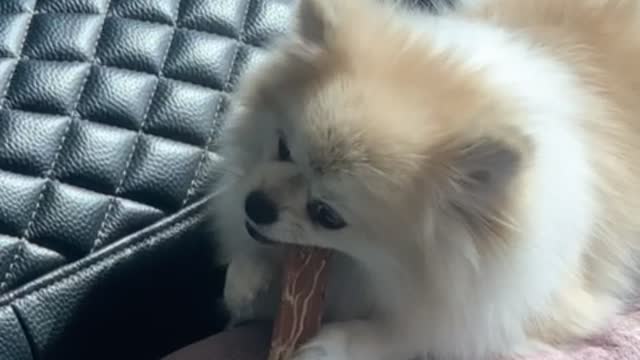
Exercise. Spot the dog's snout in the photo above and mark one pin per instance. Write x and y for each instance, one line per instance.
(260, 208)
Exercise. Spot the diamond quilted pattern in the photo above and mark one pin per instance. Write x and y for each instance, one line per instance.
(72, 6)
(153, 11)
(109, 115)
(223, 17)
(93, 156)
(6, 70)
(124, 217)
(108, 97)
(67, 219)
(134, 44)
(190, 58)
(19, 196)
(17, 6)
(67, 37)
(160, 171)
(262, 20)
(26, 259)
(47, 86)
(33, 157)
(182, 112)
(12, 31)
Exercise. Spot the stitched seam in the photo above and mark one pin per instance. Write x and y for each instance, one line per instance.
(84, 189)
(111, 66)
(5, 92)
(110, 253)
(112, 200)
(175, 24)
(48, 175)
(240, 39)
(50, 172)
(37, 247)
(203, 156)
(27, 334)
(92, 62)
(13, 263)
(218, 113)
(159, 136)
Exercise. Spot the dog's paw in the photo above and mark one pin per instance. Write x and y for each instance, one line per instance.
(247, 279)
(319, 352)
(329, 345)
(532, 348)
(342, 341)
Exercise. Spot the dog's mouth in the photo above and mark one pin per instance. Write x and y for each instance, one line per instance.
(256, 235)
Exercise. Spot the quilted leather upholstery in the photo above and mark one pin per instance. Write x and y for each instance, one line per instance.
(109, 114)
(108, 123)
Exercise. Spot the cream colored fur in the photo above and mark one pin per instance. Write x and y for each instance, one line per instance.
(486, 161)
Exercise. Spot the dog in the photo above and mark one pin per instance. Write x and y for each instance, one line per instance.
(476, 171)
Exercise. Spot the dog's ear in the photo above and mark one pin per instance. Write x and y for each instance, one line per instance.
(318, 21)
(315, 20)
(480, 175)
(485, 167)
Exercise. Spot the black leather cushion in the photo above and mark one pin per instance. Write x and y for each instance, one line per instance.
(109, 114)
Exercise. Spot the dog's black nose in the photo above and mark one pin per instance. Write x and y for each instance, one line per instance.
(260, 208)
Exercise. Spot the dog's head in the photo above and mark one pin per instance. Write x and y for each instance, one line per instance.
(356, 134)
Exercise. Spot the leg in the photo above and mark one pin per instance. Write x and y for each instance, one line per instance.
(247, 291)
(353, 340)
(575, 314)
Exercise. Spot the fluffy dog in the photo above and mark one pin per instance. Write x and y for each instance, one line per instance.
(478, 172)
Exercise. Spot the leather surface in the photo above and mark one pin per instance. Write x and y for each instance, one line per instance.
(109, 115)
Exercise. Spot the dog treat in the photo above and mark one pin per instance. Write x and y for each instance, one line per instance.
(302, 300)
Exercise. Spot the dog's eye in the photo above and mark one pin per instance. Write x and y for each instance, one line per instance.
(323, 215)
(283, 150)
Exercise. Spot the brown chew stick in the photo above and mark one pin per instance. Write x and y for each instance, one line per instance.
(302, 300)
